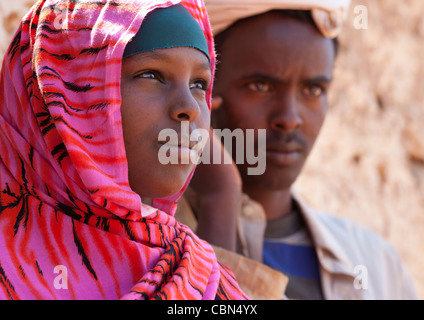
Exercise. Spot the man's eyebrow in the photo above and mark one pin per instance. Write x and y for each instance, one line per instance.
(319, 79)
(262, 77)
(271, 79)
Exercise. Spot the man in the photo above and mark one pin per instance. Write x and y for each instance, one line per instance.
(274, 72)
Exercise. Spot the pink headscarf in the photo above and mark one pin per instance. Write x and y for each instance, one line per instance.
(70, 225)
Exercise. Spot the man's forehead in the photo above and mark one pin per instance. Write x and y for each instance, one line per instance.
(277, 52)
(273, 24)
(270, 37)
(272, 34)
(328, 15)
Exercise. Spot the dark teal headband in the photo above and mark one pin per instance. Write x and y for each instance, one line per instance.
(168, 28)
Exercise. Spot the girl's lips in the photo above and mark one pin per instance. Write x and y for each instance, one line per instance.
(182, 155)
(182, 141)
(180, 150)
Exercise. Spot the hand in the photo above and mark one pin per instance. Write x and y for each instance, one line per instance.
(215, 193)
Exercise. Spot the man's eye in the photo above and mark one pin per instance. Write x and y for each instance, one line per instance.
(200, 84)
(259, 86)
(313, 91)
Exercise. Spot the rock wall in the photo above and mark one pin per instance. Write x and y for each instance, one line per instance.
(368, 164)
(11, 12)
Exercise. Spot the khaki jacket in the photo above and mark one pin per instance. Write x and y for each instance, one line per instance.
(355, 263)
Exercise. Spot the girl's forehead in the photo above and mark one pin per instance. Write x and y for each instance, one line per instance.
(167, 28)
(168, 55)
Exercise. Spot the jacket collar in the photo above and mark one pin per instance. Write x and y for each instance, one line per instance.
(329, 248)
(331, 254)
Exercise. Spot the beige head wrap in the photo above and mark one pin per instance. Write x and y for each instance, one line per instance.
(327, 14)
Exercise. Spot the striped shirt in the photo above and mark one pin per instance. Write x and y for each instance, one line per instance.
(288, 248)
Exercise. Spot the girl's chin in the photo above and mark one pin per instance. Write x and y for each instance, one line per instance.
(168, 190)
(172, 180)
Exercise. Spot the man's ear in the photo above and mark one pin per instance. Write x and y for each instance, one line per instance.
(215, 110)
(216, 103)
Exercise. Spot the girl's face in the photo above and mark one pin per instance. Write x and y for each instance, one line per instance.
(161, 89)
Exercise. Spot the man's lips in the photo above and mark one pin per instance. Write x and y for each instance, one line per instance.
(281, 146)
(282, 153)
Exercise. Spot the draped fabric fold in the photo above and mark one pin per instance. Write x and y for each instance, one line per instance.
(328, 14)
(70, 225)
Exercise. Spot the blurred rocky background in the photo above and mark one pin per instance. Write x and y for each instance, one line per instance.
(368, 163)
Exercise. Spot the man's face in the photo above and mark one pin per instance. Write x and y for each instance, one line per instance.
(274, 74)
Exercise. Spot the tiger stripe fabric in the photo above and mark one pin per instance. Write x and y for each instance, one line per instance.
(70, 225)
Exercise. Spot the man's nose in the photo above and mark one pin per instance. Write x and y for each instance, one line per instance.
(285, 115)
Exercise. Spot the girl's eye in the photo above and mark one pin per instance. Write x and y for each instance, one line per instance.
(313, 91)
(259, 86)
(148, 75)
(200, 84)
